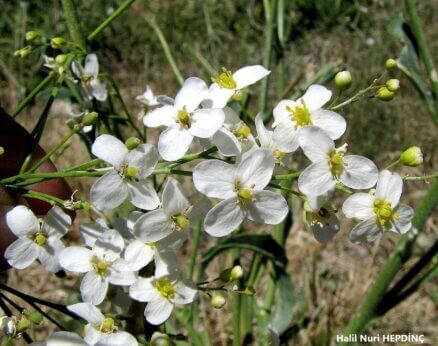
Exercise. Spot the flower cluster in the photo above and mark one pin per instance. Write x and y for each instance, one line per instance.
(236, 181)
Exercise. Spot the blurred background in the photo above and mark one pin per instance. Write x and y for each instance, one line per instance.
(317, 38)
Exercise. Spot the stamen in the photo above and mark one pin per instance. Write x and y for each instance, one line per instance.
(225, 79)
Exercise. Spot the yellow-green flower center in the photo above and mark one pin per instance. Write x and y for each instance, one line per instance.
(300, 114)
(278, 154)
(384, 212)
(244, 193)
(184, 118)
(100, 266)
(182, 221)
(131, 172)
(87, 78)
(107, 325)
(336, 162)
(242, 131)
(225, 79)
(41, 239)
(165, 287)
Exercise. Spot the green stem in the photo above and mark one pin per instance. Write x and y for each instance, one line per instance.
(393, 164)
(424, 177)
(43, 197)
(392, 266)
(352, 99)
(236, 318)
(73, 23)
(166, 49)
(123, 7)
(32, 94)
(290, 176)
(195, 248)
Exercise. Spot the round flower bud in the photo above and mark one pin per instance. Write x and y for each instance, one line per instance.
(35, 317)
(411, 157)
(384, 94)
(57, 42)
(160, 339)
(132, 143)
(249, 291)
(61, 58)
(23, 324)
(32, 35)
(218, 301)
(393, 85)
(90, 118)
(2, 151)
(343, 80)
(236, 273)
(390, 64)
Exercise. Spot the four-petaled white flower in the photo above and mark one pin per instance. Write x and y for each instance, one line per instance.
(379, 210)
(330, 165)
(89, 78)
(184, 120)
(321, 217)
(102, 265)
(240, 187)
(148, 98)
(37, 239)
(162, 293)
(101, 330)
(227, 84)
(292, 116)
(234, 137)
(128, 179)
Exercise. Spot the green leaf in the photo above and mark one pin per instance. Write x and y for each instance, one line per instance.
(263, 244)
(281, 318)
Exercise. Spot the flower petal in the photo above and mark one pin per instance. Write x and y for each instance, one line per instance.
(158, 311)
(94, 288)
(174, 142)
(359, 205)
(326, 229)
(22, 253)
(267, 207)
(142, 290)
(63, 339)
(174, 199)
(22, 221)
(264, 136)
(316, 96)
(91, 66)
(316, 179)
(110, 149)
(109, 191)
(99, 90)
(138, 254)
(404, 221)
(163, 116)
(120, 273)
(226, 142)
(249, 75)
(117, 339)
(281, 113)
(224, 218)
(389, 187)
(76, 259)
(217, 96)
(359, 172)
(110, 244)
(153, 226)
(144, 157)
(88, 312)
(331, 122)
(256, 168)
(205, 122)
(286, 137)
(365, 231)
(316, 144)
(91, 231)
(142, 194)
(186, 292)
(56, 222)
(192, 93)
(49, 254)
(214, 178)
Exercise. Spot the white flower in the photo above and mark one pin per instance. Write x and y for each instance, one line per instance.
(62, 339)
(128, 178)
(101, 330)
(321, 217)
(36, 239)
(8, 325)
(234, 137)
(291, 116)
(228, 84)
(241, 189)
(184, 120)
(148, 98)
(102, 264)
(330, 165)
(379, 211)
(162, 293)
(172, 217)
(89, 78)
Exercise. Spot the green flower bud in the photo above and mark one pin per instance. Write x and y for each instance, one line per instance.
(61, 58)
(390, 64)
(90, 118)
(160, 339)
(57, 42)
(132, 143)
(23, 324)
(32, 35)
(343, 80)
(393, 85)
(411, 157)
(384, 94)
(35, 317)
(236, 273)
(249, 291)
(2, 151)
(218, 301)
(23, 52)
